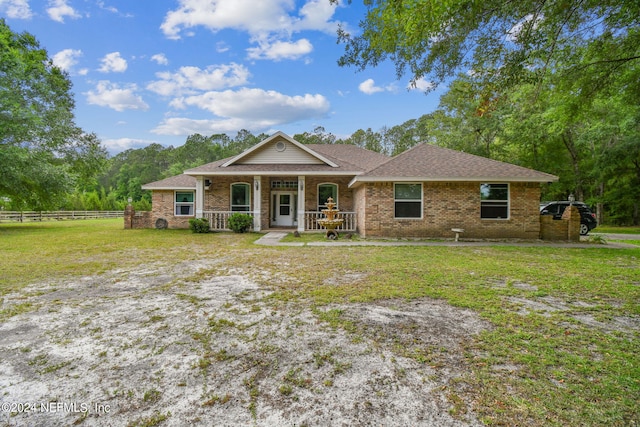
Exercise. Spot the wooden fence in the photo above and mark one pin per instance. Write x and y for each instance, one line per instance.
(30, 216)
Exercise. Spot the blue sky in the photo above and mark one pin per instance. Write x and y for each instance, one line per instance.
(160, 70)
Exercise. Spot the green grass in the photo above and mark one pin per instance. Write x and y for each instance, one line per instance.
(566, 372)
(316, 237)
(617, 229)
(36, 252)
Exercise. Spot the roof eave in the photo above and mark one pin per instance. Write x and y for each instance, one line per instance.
(364, 179)
(146, 187)
(272, 173)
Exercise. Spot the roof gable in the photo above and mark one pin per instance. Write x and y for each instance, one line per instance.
(279, 149)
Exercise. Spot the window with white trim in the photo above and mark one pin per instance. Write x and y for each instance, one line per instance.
(183, 203)
(324, 192)
(407, 200)
(240, 197)
(494, 201)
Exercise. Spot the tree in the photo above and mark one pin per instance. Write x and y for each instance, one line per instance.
(507, 42)
(43, 152)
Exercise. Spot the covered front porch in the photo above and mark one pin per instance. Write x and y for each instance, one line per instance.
(275, 202)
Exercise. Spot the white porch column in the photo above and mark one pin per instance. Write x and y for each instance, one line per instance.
(257, 203)
(301, 192)
(199, 196)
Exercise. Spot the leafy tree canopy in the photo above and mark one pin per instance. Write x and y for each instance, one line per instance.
(507, 42)
(43, 153)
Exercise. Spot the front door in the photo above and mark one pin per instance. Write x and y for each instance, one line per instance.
(283, 208)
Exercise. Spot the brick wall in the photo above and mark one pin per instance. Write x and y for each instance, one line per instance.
(565, 228)
(133, 219)
(162, 203)
(448, 205)
(345, 194)
(553, 229)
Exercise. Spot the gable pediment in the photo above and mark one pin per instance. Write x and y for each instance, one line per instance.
(279, 149)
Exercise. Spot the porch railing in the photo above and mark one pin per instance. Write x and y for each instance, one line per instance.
(218, 220)
(311, 221)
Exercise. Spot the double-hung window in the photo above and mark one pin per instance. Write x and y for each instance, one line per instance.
(184, 203)
(240, 197)
(324, 192)
(408, 200)
(494, 201)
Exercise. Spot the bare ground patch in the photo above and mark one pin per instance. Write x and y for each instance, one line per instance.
(145, 346)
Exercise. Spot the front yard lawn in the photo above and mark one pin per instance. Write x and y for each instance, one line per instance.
(563, 346)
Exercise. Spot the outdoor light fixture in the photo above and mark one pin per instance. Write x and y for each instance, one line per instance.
(129, 200)
(301, 186)
(257, 183)
(572, 199)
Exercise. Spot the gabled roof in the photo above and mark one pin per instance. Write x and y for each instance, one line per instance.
(336, 159)
(426, 162)
(247, 154)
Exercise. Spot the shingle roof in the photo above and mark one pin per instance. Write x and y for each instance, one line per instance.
(424, 162)
(362, 158)
(428, 162)
(350, 159)
(177, 182)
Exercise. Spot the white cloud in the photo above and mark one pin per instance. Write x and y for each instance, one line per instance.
(255, 17)
(183, 126)
(281, 50)
(529, 21)
(246, 15)
(118, 145)
(188, 80)
(251, 109)
(316, 15)
(66, 59)
(256, 104)
(103, 6)
(421, 84)
(222, 47)
(369, 87)
(111, 95)
(160, 58)
(272, 20)
(113, 62)
(58, 9)
(16, 9)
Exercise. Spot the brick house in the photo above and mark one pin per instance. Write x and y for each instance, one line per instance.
(423, 192)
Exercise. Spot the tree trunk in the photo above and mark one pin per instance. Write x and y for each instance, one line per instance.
(567, 139)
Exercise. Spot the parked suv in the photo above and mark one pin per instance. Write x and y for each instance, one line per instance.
(587, 218)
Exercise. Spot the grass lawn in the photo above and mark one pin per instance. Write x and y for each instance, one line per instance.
(564, 347)
(617, 230)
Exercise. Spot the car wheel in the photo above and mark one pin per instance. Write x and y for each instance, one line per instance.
(584, 229)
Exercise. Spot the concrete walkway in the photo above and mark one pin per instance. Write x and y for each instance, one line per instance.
(273, 238)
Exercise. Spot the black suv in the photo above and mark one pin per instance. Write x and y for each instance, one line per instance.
(587, 218)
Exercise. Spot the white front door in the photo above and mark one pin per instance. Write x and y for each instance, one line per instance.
(283, 208)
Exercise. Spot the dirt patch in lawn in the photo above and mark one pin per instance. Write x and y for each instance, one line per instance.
(145, 347)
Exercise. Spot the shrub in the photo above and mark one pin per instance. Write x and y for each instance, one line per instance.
(240, 223)
(199, 225)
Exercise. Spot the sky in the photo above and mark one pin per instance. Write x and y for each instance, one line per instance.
(157, 71)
